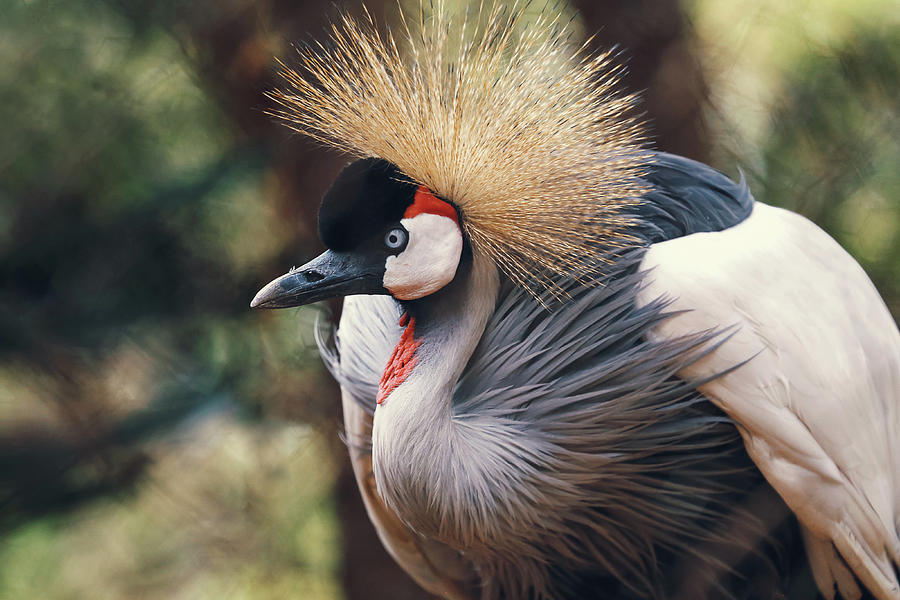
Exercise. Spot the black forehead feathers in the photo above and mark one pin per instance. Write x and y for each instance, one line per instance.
(368, 196)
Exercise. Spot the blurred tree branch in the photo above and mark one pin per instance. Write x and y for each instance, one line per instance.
(657, 46)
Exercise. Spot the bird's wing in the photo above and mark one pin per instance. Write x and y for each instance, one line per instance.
(370, 327)
(817, 398)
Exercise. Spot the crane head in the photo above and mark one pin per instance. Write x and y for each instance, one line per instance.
(384, 234)
(496, 112)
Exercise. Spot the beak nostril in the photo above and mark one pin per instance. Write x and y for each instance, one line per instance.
(313, 275)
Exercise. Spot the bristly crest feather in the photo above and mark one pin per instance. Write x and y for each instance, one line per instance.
(521, 130)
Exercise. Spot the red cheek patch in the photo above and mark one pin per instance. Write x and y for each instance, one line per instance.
(426, 202)
(403, 358)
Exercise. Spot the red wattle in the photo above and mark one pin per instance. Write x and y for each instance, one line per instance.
(402, 360)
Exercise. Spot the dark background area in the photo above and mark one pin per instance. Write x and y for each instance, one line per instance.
(160, 440)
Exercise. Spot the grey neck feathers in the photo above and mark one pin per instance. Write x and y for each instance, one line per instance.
(418, 449)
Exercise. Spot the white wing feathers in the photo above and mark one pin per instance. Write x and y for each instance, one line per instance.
(818, 402)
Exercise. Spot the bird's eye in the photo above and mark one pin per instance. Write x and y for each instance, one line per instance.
(396, 238)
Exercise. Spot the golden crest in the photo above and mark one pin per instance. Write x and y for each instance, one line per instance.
(521, 130)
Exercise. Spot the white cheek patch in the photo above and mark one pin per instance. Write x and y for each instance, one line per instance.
(430, 259)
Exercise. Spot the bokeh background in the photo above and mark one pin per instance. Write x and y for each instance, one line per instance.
(160, 440)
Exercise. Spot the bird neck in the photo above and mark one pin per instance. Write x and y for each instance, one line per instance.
(414, 426)
(440, 333)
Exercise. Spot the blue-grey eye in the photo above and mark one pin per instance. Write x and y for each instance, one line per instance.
(396, 238)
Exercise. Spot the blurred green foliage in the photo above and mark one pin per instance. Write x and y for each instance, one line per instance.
(134, 223)
(806, 100)
(833, 153)
(220, 515)
(158, 439)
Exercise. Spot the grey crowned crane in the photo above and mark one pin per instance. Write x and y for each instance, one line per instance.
(572, 367)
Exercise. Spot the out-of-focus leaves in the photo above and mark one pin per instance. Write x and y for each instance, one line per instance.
(806, 101)
(219, 515)
(834, 148)
(125, 196)
(144, 198)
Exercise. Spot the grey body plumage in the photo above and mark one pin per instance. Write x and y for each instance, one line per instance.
(589, 462)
